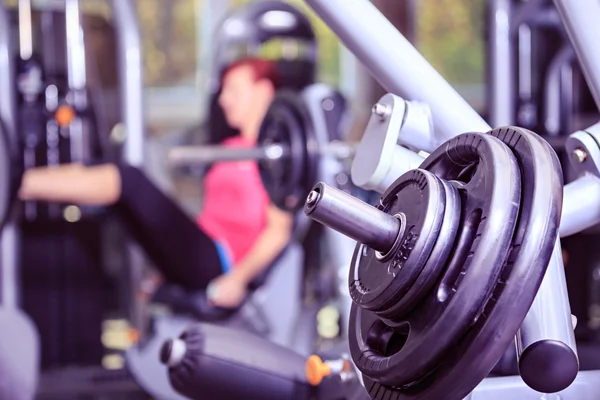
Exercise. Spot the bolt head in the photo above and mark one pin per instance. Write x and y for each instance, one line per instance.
(312, 197)
(381, 110)
(580, 155)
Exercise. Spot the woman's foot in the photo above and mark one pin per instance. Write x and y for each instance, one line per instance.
(72, 183)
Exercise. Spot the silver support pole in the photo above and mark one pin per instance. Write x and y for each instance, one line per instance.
(553, 99)
(546, 345)
(9, 239)
(397, 65)
(581, 21)
(502, 98)
(25, 29)
(131, 79)
(75, 47)
(131, 83)
(77, 80)
(581, 205)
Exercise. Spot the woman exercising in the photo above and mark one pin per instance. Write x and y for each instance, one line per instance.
(239, 231)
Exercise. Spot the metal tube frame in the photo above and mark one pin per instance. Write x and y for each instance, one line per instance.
(401, 70)
(131, 84)
(9, 236)
(500, 66)
(581, 24)
(131, 79)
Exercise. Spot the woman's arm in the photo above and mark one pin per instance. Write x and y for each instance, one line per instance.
(267, 246)
(229, 290)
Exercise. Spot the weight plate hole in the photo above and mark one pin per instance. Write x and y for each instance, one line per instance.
(386, 340)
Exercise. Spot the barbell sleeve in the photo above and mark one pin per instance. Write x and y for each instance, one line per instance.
(202, 155)
(352, 217)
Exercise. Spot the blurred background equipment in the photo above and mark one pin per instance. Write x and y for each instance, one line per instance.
(78, 67)
(534, 80)
(68, 68)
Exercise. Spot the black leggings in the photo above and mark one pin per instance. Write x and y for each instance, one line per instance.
(182, 251)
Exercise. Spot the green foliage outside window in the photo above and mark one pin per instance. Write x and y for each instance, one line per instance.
(450, 37)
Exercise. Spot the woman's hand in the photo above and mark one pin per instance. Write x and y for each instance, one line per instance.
(227, 291)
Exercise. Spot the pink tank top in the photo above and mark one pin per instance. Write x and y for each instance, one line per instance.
(235, 203)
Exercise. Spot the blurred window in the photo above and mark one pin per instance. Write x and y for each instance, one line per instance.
(329, 44)
(450, 35)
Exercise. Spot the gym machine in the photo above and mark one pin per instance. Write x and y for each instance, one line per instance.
(547, 93)
(54, 109)
(293, 149)
(459, 258)
(243, 32)
(300, 142)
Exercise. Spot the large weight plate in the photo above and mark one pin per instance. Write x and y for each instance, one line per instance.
(522, 274)
(376, 281)
(473, 356)
(290, 178)
(490, 190)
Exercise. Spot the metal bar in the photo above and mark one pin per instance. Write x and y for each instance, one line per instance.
(525, 62)
(553, 99)
(25, 29)
(77, 80)
(131, 79)
(397, 65)
(546, 336)
(9, 239)
(202, 155)
(583, 29)
(352, 217)
(581, 205)
(501, 96)
(75, 47)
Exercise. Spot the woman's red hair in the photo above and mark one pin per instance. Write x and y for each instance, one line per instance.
(263, 69)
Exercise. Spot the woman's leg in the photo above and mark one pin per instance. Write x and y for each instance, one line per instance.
(179, 248)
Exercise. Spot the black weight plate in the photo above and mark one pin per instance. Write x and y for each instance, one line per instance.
(490, 194)
(377, 281)
(436, 261)
(10, 176)
(290, 178)
(531, 248)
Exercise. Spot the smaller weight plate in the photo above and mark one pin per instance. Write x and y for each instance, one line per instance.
(377, 281)
(288, 179)
(437, 260)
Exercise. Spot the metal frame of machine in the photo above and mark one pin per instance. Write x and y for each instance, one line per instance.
(130, 70)
(435, 113)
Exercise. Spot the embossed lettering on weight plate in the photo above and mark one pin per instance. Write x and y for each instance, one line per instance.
(404, 250)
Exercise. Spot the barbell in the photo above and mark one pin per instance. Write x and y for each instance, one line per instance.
(287, 152)
(448, 264)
